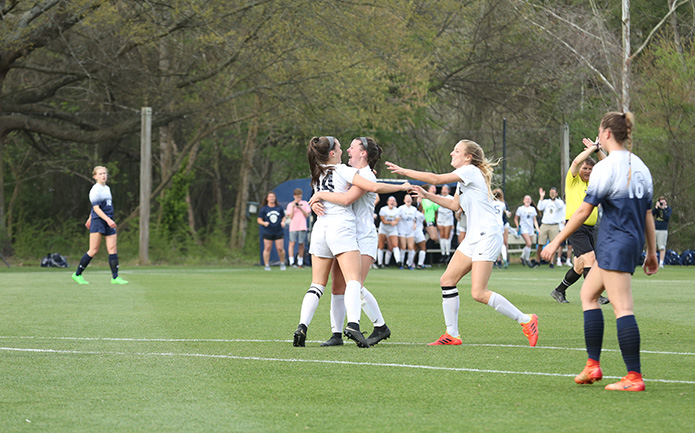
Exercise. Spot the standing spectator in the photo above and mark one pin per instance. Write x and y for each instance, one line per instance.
(526, 226)
(662, 215)
(553, 209)
(272, 218)
(297, 212)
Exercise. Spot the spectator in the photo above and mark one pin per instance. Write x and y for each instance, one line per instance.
(297, 212)
(662, 214)
(553, 209)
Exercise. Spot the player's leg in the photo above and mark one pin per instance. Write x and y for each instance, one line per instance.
(320, 268)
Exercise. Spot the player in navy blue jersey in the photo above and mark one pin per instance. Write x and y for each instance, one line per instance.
(100, 224)
(622, 184)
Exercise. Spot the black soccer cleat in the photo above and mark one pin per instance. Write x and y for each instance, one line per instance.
(559, 296)
(379, 333)
(335, 340)
(352, 331)
(300, 336)
(603, 300)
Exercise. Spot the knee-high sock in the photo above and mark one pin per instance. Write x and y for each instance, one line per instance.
(571, 277)
(504, 253)
(593, 333)
(113, 264)
(421, 257)
(84, 262)
(450, 306)
(387, 260)
(503, 306)
(380, 257)
(371, 307)
(411, 258)
(397, 254)
(443, 249)
(353, 301)
(526, 253)
(629, 341)
(337, 313)
(310, 303)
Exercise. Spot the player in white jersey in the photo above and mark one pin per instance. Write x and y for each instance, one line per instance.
(420, 241)
(622, 184)
(406, 231)
(445, 225)
(526, 225)
(363, 153)
(483, 241)
(334, 236)
(388, 233)
(502, 218)
(100, 224)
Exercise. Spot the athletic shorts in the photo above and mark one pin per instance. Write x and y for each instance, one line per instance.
(661, 238)
(445, 221)
(462, 225)
(430, 223)
(333, 236)
(527, 231)
(408, 234)
(548, 233)
(583, 240)
(388, 230)
(486, 249)
(272, 237)
(368, 243)
(419, 236)
(98, 225)
(298, 236)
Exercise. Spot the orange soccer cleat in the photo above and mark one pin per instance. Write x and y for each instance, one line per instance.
(632, 382)
(531, 330)
(447, 340)
(591, 373)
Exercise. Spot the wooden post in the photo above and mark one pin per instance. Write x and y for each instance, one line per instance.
(145, 183)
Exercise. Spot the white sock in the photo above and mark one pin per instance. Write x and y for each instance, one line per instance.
(291, 258)
(371, 308)
(300, 261)
(387, 260)
(397, 254)
(353, 301)
(442, 248)
(411, 258)
(380, 257)
(504, 254)
(421, 257)
(310, 303)
(501, 305)
(337, 313)
(526, 253)
(450, 305)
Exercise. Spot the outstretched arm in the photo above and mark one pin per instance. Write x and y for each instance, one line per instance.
(424, 176)
(449, 203)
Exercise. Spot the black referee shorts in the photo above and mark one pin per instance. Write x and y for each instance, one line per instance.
(582, 240)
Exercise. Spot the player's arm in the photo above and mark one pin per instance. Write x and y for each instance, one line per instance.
(102, 215)
(378, 187)
(449, 203)
(341, 198)
(424, 176)
(651, 263)
(591, 148)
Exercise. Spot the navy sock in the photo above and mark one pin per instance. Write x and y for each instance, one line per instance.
(629, 341)
(571, 277)
(84, 261)
(593, 333)
(113, 264)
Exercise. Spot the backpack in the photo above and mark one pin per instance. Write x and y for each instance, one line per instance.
(688, 258)
(54, 260)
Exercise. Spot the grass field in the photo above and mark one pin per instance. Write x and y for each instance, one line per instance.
(186, 349)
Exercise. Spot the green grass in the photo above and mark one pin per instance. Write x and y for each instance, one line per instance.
(209, 349)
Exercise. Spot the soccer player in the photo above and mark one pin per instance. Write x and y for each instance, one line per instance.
(429, 209)
(388, 233)
(334, 236)
(445, 224)
(622, 184)
(406, 231)
(482, 244)
(553, 209)
(503, 218)
(100, 224)
(526, 225)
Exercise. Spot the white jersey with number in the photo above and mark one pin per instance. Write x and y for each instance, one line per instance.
(406, 221)
(476, 202)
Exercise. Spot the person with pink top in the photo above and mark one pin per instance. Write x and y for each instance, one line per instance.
(297, 212)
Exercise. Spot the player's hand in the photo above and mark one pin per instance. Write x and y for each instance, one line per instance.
(651, 264)
(317, 207)
(590, 144)
(541, 192)
(88, 224)
(406, 187)
(549, 251)
(418, 192)
(111, 223)
(395, 168)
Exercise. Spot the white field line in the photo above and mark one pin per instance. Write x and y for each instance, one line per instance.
(316, 361)
(239, 340)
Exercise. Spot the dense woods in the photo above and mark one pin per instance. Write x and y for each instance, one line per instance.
(237, 88)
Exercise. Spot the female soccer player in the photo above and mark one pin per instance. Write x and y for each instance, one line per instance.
(482, 244)
(334, 236)
(429, 209)
(503, 218)
(622, 184)
(526, 223)
(445, 224)
(388, 233)
(100, 224)
(406, 231)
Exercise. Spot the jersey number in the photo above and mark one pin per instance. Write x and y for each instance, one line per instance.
(636, 188)
(327, 182)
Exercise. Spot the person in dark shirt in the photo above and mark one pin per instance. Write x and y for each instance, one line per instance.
(662, 215)
(272, 218)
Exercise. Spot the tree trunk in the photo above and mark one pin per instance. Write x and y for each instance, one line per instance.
(239, 221)
(625, 93)
(217, 183)
(189, 207)
(5, 245)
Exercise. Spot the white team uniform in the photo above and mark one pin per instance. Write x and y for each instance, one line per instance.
(483, 240)
(500, 207)
(553, 211)
(462, 225)
(367, 238)
(405, 223)
(445, 216)
(389, 215)
(419, 228)
(335, 231)
(526, 215)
